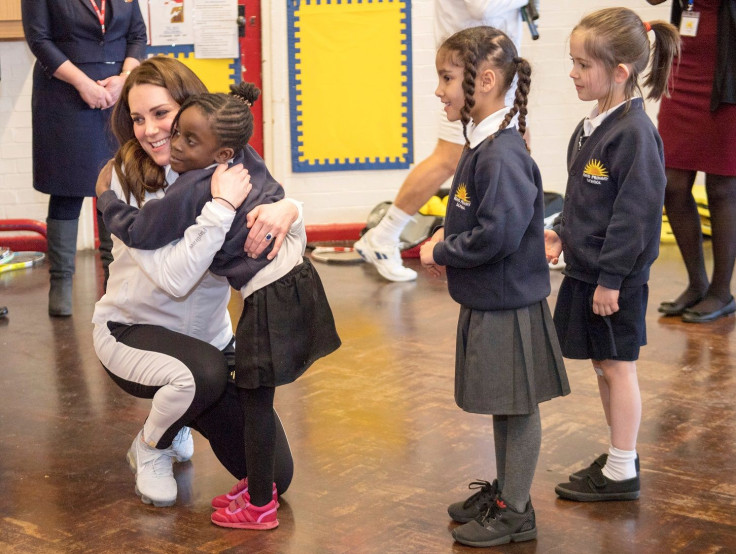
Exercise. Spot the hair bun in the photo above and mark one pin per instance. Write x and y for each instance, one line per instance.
(247, 92)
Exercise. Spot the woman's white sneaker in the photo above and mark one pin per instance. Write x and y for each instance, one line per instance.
(183, 445)
(154, 474)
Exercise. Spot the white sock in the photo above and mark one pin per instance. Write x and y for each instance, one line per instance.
(620, 465)
(389, 228)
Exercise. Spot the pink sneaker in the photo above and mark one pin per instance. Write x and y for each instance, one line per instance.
(241, 514)
(223, 500)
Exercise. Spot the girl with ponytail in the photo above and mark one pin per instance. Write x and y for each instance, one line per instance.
(610, 226)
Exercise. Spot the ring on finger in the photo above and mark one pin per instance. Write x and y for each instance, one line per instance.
(269, 236)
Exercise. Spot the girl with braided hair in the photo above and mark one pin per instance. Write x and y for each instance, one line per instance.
(492, 246)
(286, 323)
(610, 227)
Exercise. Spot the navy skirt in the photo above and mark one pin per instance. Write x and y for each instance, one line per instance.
(71, 141)
(585, 335)
(284, 328)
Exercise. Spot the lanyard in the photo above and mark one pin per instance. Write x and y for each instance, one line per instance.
(100, 13)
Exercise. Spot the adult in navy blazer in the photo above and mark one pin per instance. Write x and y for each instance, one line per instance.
(84, 50)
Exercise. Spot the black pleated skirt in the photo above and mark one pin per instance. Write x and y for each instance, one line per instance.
(507, 361)
(284, 328)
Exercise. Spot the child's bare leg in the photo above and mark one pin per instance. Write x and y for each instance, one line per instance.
(624, 416)
(613, 476)
(624, 402)
(603, 390)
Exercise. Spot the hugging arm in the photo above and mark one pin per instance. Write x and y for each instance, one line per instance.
(277, 220)
(177, 268)
(269, 222)
(159, 222)
(163, 220)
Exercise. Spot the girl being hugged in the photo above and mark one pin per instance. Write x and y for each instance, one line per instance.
(286, 323)
(609, 229)
(507, 357)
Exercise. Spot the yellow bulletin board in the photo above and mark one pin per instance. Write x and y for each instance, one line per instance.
(350, 83)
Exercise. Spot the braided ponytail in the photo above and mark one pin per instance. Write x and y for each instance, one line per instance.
(521, 98)
(470, 73)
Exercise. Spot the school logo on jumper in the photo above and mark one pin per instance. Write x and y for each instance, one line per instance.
(462, 198)
(595, 172)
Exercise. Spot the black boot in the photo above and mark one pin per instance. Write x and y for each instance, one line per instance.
(61, 237)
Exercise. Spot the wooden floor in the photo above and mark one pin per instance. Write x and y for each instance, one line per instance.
(379, 445)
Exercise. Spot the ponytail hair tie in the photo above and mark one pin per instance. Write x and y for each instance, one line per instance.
(517, 60)
(647, 26)
(243, 100)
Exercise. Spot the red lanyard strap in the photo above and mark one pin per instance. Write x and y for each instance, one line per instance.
(100, 13)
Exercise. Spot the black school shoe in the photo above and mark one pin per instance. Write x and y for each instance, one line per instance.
(599, 462)
(475, 505)
(499, 524)
(694, 316)
(596, 487)
(672, 307)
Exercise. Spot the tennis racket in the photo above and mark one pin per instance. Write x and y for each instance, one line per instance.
(335, 252)
(22, 260)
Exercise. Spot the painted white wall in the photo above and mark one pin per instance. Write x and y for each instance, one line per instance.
(344, 196)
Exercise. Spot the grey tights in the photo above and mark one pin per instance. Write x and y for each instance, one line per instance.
(517, 440)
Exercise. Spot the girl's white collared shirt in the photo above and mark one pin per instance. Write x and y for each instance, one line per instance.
(489, 125)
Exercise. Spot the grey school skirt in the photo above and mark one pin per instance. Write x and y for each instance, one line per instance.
(284, 328)
(507, 361)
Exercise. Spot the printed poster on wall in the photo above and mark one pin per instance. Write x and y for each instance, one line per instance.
(215, 28)
(170, 22)
(209, 25)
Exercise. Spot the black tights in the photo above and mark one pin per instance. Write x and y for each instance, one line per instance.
(260, 443)
(684, 219)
